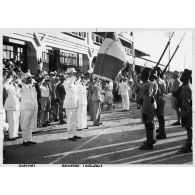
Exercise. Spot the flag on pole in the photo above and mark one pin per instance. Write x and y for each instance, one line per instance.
(111, 57)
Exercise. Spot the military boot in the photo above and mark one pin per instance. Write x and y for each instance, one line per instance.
(187, 148)
(148, 144)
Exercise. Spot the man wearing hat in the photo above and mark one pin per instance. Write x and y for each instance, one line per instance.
(60, 94)
(12, 106)
(28, 106)
(148, 108)
(82, 105)
(186, 108)
(174, 100)
(71, 104)
(124, 92)
(54, 112)
(45, 102)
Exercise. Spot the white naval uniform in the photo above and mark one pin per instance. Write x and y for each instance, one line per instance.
(71, 105)
(124, 92)
(28, 107)
(12, 107)
(82, 106)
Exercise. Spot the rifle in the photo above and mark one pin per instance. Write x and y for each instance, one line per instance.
(172, 55)
(158, 63)
(168, 43)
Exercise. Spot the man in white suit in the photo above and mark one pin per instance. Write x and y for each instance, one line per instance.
(12, 106)
(28, 108)
(71, 104)
(82, 107)
(124, 92)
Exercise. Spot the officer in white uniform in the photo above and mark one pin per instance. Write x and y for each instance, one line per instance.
(82, 104)
(71, 104)
(12, 107)
(124, 92)
(28, 107)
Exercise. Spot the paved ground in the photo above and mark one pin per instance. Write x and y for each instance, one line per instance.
(115, 142)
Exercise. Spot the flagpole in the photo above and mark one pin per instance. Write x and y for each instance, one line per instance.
(132, 70)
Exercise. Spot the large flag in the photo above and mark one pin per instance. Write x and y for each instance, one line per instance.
(111, 57)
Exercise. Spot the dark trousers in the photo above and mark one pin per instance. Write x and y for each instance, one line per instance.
(61, 111)
(54, 111)
(160, 114)
(91, 110)
(149, 132)
(177, 110)
(45, 107)
(187, 123)
(161, 121)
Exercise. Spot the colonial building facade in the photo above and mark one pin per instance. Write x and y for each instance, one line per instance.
(58, 50)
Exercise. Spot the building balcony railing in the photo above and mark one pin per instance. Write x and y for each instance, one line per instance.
(97, 39)
(81, 35)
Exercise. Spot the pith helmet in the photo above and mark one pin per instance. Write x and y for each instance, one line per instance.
(70, 70)
(186, 75)
(176, 73)
(145, 74)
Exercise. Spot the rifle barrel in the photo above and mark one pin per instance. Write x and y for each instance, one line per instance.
(173, 54)
(168, 43)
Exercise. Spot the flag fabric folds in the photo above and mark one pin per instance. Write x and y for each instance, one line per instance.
(111, 58)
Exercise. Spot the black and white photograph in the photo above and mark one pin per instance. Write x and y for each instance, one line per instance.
(96, 97)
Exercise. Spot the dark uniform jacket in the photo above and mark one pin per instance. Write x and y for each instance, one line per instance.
(186, 99)
(60, 91)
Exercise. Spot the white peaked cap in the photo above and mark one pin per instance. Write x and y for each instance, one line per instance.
(69, 70)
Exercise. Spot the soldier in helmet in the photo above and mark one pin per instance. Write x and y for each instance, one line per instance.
(186, 108)
(159, 97)
(148, 108)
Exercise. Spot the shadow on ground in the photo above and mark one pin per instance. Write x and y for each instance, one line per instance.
(117, 148)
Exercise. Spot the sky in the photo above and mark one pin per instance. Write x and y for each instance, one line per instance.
(154, 42)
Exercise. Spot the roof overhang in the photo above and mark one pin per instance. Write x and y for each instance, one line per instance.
(139, 53)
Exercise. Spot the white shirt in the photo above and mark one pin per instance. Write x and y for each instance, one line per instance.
(44, 91)
(71, 98)
(123, 87)
(12, 102)
(28, 97)
(82, 92)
